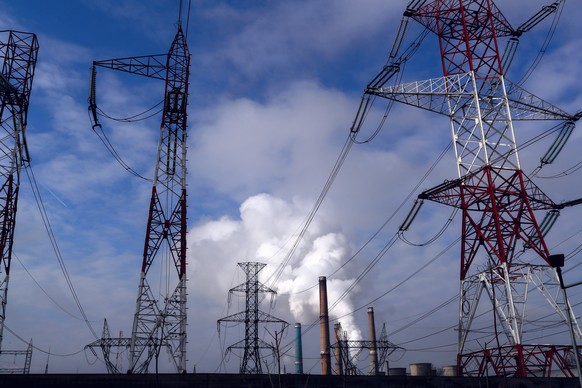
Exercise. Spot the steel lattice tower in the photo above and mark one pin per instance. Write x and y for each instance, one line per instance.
(252, 316)
(346, 351)
(18, 54)
(496, 199)
(160, 323)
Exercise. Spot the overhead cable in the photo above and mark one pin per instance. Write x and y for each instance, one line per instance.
(55, 246)
(98, 130)
(440, 254)
(40, 349)
(331, 178)
(546, 43)
(44, 291)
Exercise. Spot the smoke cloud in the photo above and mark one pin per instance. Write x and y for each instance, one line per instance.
(267, 229)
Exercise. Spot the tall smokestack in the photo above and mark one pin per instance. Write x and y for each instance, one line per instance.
(337, 328)
(373, 348)
(324, 327)
(298, 350)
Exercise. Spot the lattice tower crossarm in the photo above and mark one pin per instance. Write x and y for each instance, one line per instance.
(162, 323)
(13, 357)
(252, 316)
(18, 55)
(481, 115)
(497, 201)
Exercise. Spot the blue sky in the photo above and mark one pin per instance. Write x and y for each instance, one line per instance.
(274, 88)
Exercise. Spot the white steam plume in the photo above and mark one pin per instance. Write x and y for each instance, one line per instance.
(265, 232)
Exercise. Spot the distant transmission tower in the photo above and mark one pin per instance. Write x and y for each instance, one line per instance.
(160, 321)
(11, 359)
(18, 54)
(346, 351)
(496, 200)
(252, 316)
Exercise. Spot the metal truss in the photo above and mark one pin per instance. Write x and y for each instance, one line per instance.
(492, 223)
(252, 316)
(497, 201)
(347, 350)
(119, 345)
(18, 55)
(17, 355)
(508, 290)
(481, 121)
(151, 66)
(519, 361)
(161, 322)
(434, 95)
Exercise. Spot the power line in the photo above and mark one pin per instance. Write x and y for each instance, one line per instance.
(390, 218)
(545, 45)
(327, 186)
(440, 254)
(40, 349)
(113, 151)
(55, 246)
(43, 290)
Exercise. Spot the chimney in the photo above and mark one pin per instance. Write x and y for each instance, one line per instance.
(298, 350)
(324, 327)
(337, 328)
(373, 348)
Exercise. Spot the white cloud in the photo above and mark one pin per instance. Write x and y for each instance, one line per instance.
(241, 145)
(286, 35)
(266, 229)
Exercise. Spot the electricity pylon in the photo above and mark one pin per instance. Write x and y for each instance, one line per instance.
(346, 351)
(252, 316)
(497, 201)
(160, 322)
(18, 54)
